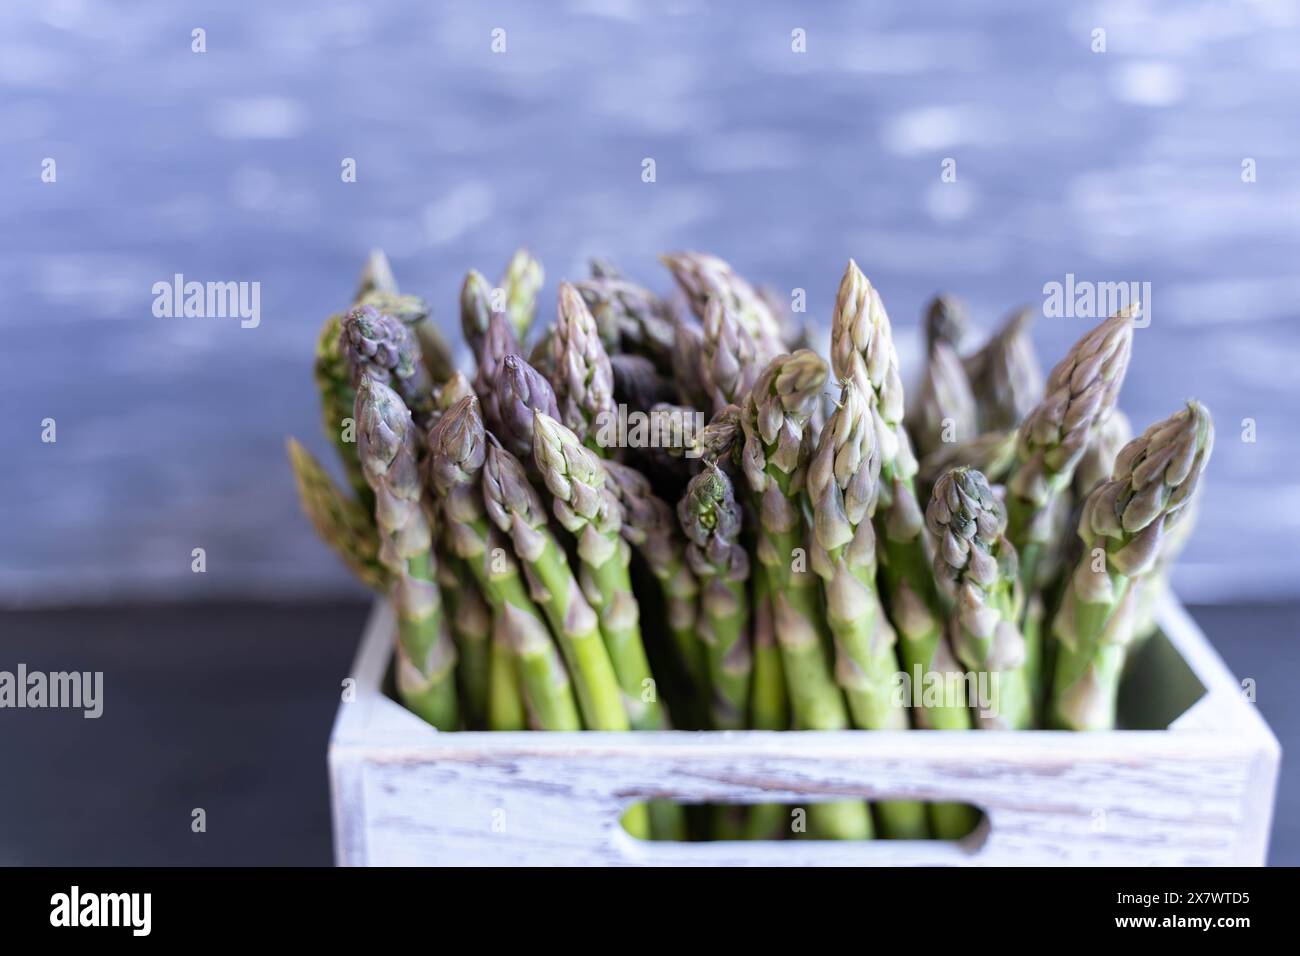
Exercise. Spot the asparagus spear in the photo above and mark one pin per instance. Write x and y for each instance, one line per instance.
(522, 281)
(475, 311)
(769, 705)
(1080, 395)
(540, 355)
(414, 312)
(993, 453)
(378, 288)
(945, 321)
(519, 391)
(378, 345)
(769, 701)
(1005, 375)
(711, 519)
(630, 318)
(775, 459)
(603, 268)
(333, 374)
(688, 360)
(722, 439)
(862, 350)
(945, 411)
(1098, 460)
(650, 527)
(591, 513)
(471, 626)
(843, 484)
(584, 380)
(1150, 587)
(498, 344)
(730, 357)
(637, 384)
(976, 568)
(341, 521)
(702, 277)
(376, 275)
(457, 453)
(514, 508)
(1124, 522)
(505, 701)
(426, 656)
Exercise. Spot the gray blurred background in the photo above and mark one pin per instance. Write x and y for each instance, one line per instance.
(225, 165)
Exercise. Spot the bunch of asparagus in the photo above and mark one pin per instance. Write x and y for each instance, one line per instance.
(790, 563)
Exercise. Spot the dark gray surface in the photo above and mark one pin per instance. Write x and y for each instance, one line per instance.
(1123, 165)
(229, 708)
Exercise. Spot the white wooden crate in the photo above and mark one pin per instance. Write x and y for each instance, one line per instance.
(1200, 792)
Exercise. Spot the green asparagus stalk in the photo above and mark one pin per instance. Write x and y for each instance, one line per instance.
(638, 384)
(769, 702)
(602, 267)
(993, 453)
(584, 380)
(475, 311)
(945, 321)
(843, 486)
(414, 313)
(426, 655)
(775, 459)
(1080, 395)
(769, 706)
(341, 521)
(630, 318)
(1005, 374)
(688, 361)
(376, 276)
(1098, 460)
(650, 526)
(540, 355)
(592, 514)
(730, 358)
(945, 411)
(1153, 586)
(976, 569)
(711, 520)
(452, 392)
(514, 508)
(1124, 523)
(505, 701)
(520, 390)
(333, 374)
(471, 626)
(862, 350)
(522, 282)
(702, 277)
(457, 454)
(723, 438)
(378, 345)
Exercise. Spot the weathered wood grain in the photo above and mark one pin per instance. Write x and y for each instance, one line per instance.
(1200, 792)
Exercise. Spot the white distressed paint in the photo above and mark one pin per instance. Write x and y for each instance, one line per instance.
(1200, 793)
